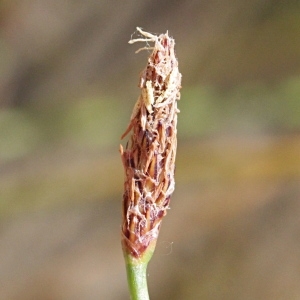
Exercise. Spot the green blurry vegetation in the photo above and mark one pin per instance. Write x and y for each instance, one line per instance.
(87, 123)
(247, 108)
(62, 153)
(18, 135)
(96, 123)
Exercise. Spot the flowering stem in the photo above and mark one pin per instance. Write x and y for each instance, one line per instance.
(149, 159)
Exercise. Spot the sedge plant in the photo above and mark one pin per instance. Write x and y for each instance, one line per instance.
(149, 158)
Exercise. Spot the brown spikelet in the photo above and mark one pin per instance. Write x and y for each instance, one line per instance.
(149, 157)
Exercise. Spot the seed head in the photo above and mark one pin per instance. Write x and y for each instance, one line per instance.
(149, 156)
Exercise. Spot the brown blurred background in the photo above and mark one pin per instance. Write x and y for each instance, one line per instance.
(68, 82)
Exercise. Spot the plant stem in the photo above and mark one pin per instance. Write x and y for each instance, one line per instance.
(149, 159)
(137, 280)
(136, 269)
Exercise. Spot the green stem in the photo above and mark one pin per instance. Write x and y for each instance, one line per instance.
(137, 280)
(137, 272)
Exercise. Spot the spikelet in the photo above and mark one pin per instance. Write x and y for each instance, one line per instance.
(149, 157)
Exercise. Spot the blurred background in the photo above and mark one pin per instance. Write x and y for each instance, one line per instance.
(68, 83)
